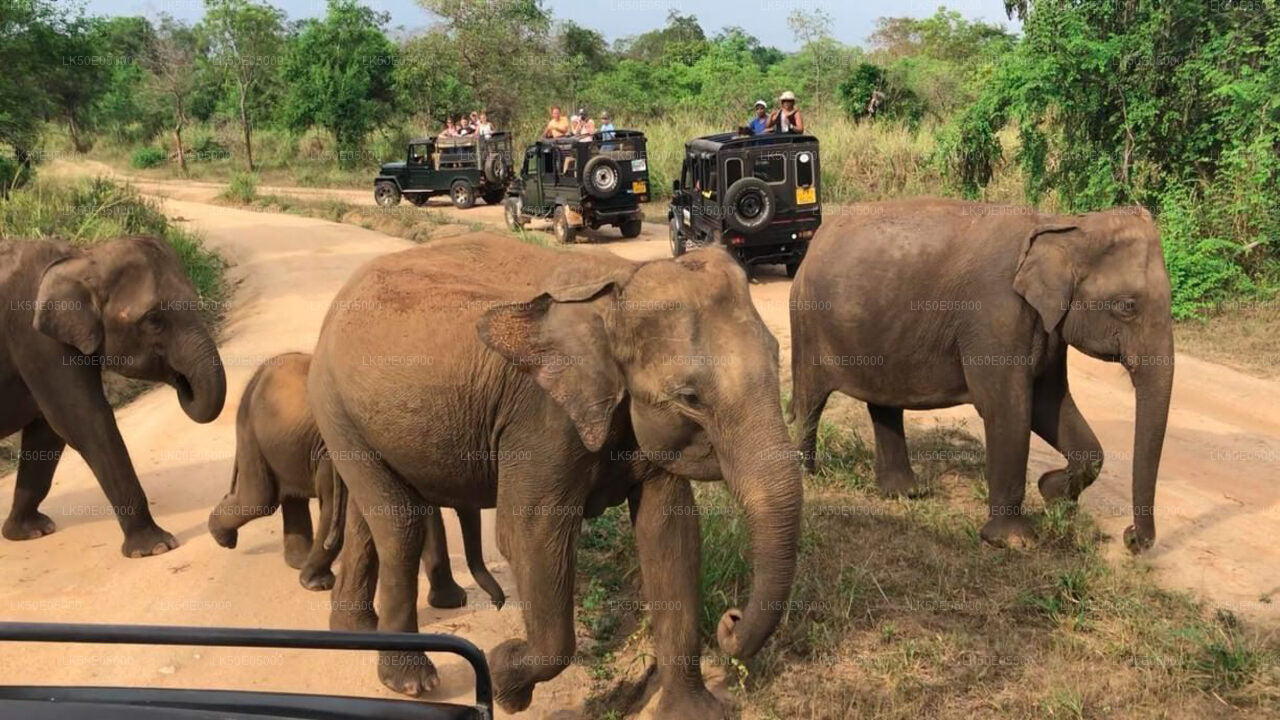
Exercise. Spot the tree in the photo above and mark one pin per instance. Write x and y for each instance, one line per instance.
(682, 41)
(23, 100)
(428, 77)
(246, 38)
(75, 75)
(339, 75)
(171, 66)
(812, 29)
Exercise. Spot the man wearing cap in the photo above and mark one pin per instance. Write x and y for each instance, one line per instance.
(606, 126)
(787, 118)
(758, 123)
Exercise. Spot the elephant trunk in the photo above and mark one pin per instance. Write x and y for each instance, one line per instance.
(198, 375)
(1152, 377)
(765, 479)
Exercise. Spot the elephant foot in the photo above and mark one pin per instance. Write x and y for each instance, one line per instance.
(1138, 541)
(150, 540)
(446, 596)
(697, 704)
(513, 687)
(1058, 485)
(226, 537)
(296, 550)
(408, 673)
(896, 484)
(28, 528)
(1012, 531)
(316, 579)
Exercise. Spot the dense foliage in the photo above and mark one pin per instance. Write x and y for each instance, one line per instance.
(1172, 104)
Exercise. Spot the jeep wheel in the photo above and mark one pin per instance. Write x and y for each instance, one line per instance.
(631, 228)
(749, 204)
(495, 169)
(602, 177)
(677, 240)
(386, 194)
(511, 213)
(464, 196)
(419, 199)
(565, 233)
(493, 197)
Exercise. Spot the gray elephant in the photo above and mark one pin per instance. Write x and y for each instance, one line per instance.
(485, 372)
(68, 313)
(281, 461)
(924, 304)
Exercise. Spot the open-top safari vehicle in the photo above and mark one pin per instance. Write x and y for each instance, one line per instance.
(51, 702)
(462, 167)
(758, 195)
(582, 182)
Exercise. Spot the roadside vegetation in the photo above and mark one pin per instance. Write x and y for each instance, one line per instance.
(90, 211)
(900, 611)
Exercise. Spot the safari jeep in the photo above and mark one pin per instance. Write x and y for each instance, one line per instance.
(462, 167)
(757, 195)
(582, 182)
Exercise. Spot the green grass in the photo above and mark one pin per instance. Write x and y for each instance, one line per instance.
(242, 190)
(900, 611)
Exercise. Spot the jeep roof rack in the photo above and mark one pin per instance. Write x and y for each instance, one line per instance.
(459, 140)
(570, 139)
(713, 143)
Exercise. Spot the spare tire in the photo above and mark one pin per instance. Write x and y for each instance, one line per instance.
(495, 169)
(602, 177)
(749, 205)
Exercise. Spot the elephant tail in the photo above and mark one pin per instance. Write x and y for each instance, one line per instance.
(338, 518)
(469, 520)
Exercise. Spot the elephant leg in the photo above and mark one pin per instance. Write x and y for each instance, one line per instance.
(351, 603)
(297, 531)
(894, 476)
(41, 450)
(669, 545)
(808, 399)
(1057, 420)
(1003, 399)
(317, 570)
(445, 592)
(253, 493)
(542, 560)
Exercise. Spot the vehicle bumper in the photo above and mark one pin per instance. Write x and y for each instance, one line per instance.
(595, 217)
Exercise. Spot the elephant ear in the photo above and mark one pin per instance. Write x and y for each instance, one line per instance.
(1045, 277)
(66, 309)
(561, 339)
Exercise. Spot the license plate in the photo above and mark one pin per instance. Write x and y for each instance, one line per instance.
(639, 187)
(806, 196)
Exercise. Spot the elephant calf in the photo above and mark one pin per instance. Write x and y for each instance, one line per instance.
(281, 461)
(68, 313)
(924, 304)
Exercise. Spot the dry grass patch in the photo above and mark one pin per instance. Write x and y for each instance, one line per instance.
(1241, 334)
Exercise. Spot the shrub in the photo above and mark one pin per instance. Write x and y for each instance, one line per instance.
(148, 156)
(243, 188)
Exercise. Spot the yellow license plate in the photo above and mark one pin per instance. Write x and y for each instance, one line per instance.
(639, 187)
(806, 196)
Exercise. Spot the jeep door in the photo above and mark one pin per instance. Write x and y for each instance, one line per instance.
(418, 167)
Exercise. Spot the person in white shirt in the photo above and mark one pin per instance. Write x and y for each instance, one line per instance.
(484, 127)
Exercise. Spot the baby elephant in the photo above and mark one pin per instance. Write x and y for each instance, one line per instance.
(281, 461)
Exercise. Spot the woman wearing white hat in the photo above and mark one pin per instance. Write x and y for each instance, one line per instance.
(786, 119)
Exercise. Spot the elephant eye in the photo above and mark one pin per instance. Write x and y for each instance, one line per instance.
(688, 396)
(1126, 307)
(153, 320)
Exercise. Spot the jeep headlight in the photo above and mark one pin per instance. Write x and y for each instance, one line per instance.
(639, 165)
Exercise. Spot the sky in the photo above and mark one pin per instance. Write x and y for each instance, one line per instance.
(853, 20)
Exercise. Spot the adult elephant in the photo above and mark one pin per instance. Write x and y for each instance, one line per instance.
(924, 304)
(485, 372)
(66, 314)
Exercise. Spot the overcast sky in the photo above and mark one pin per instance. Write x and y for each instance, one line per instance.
(766, 19)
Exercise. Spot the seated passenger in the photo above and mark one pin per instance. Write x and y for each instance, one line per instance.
(760, 121)
(606, 126)
(483, 126)
(450, 130)
(786, 119)
(557, 126)
(587, 126)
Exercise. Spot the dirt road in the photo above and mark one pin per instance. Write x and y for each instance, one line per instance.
(1219, 501)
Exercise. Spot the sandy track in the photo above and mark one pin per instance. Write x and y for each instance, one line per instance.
(1219, 502)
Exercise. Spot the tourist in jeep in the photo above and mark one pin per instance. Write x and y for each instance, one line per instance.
(450, 130)
(557, 126)
(786, 119)
(484, 127)
(606, 126)
(760, 121)
(586, 125)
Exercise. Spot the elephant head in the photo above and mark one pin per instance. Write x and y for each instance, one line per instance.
(677, 348)
(129, 305)
(1098, 281)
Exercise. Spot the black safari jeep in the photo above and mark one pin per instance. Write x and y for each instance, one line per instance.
(463, 167)
(757, 195)
(584, 181)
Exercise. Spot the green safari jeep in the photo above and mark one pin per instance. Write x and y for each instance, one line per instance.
(462, 167)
